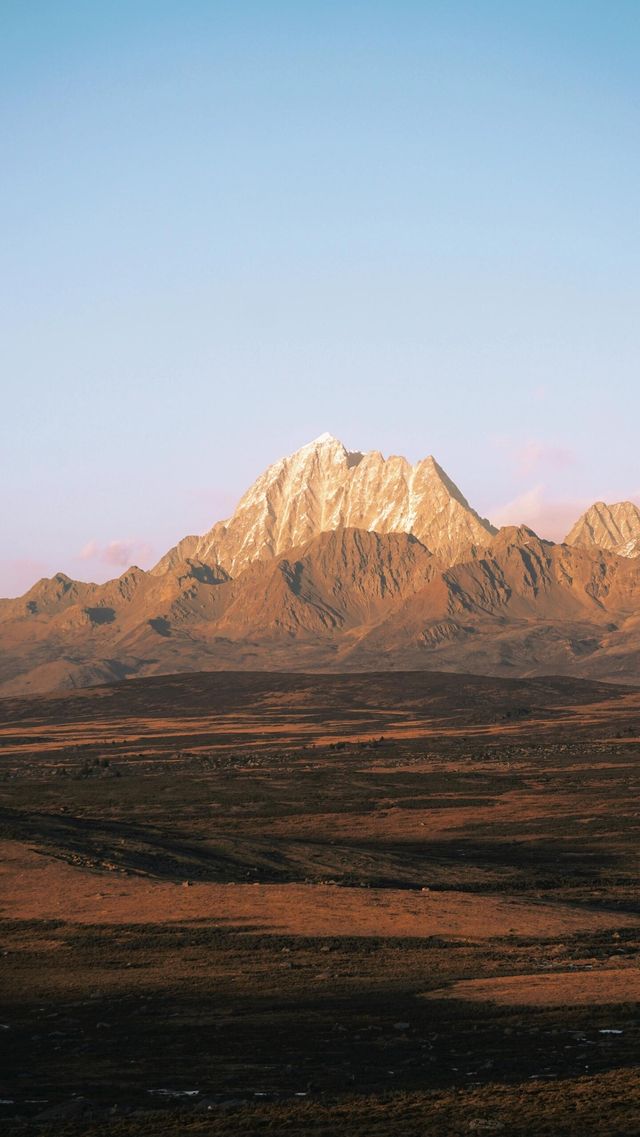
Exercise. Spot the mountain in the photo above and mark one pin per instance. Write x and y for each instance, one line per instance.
(522, 606)
(341, 561)
(323, 487)
(519, 605)
(339, 581)
(346, 600)
(615, 527)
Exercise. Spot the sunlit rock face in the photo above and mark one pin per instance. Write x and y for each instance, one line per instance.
(324, 487)
(615, 527)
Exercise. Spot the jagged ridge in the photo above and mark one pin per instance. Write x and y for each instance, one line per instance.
(323, 487)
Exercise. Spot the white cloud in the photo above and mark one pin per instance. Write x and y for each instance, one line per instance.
(119, 553)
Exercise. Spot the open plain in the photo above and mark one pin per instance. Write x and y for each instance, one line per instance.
(317, 904)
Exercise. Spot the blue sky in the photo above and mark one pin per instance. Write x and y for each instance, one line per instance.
(229, 227)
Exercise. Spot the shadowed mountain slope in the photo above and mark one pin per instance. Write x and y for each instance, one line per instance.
(346, 600)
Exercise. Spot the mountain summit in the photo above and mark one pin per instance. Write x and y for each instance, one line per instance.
(323, 487)
(615, 527)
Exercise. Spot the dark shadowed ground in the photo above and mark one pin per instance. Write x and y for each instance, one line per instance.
(360, 905)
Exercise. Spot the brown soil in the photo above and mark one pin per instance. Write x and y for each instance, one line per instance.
(603, 985)
(33, 887)
(413, 935)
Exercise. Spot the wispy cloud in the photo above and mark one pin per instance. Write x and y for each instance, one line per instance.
(548, 517)
(118, 553)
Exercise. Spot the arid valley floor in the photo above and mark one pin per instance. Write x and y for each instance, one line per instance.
(236, 904)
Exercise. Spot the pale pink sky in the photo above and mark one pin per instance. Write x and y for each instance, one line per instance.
(228, 228)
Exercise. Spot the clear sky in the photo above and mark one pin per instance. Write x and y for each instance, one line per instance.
(230, 227)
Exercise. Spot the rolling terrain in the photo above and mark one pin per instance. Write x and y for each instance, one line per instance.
(356, 904)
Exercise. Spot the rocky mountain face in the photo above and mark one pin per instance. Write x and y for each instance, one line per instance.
(342, 561)
(323, 487)
(523, 606)
(615, 527)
